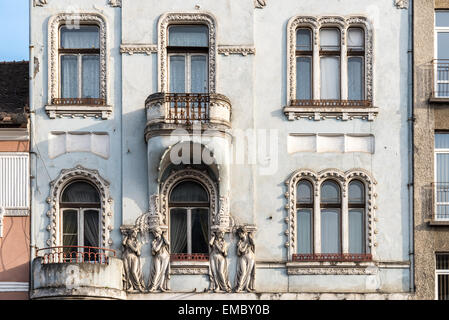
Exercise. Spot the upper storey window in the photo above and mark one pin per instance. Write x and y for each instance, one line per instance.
(330, 63)
(304, 58)
(188, 51)
(441, 65)
(356, 64)
(79, 55)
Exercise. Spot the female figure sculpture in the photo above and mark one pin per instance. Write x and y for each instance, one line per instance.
(246, 265)
(219, 278)
(160, 269)
(131, 261)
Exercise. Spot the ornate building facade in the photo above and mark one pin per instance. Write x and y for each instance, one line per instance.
(249, 148)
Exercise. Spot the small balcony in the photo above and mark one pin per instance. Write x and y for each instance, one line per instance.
(72, 272)
(439, 213)
(440, 76)
(187, 110)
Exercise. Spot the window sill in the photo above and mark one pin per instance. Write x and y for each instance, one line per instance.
(331, 268)
(82, 111)
(189, 267)
(435, 223)
(439, 100)
(339, 109)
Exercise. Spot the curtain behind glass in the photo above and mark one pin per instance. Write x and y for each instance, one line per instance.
(304, 40)
(304, 231)
(91, 76)
(198, 74)
(178, 230)
(189, 191)
(70, 228)
(356, 230)
(80, 192)
(200, 229)
(177, 74)
(355, 78)
(304, 78)
(330, 77)
(69, 76)
(91, 228)
(442, 185)
(188, 36)
(86, 37)
(330, 230)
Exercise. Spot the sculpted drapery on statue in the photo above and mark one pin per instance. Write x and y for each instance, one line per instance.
(218, 273)
(133, 280)
(160, 268)
(246, 264)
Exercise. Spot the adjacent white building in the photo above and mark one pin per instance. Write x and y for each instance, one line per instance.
(282, 122)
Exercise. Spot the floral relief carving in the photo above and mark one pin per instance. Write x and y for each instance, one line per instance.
(227, 50)
(331, 271)
(56, 187)
(260, 3)
(39, 3)
(185, 18)
(138, 48)
(401, 4)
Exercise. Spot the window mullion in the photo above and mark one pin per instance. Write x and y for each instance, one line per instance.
(316, 76)
(80, 76)
(189, 230)
(188, 73)
(343, 67)
(317, 222)
(345, 223)
(81, 227)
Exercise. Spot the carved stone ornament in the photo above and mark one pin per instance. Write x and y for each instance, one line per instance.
(246, 263)
(115, 3)
(260, 3)
(74, 19)
(331, 271)
(39, 3)
(244, 51)
(401, 4)
(112, 3)
(186, 18)
(56, 188)
(316, 179)
(152, 219)
(160, 264)
(218, 259)
(138, 48)
(132, 268)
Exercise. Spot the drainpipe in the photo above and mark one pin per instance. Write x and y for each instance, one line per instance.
(411, 119)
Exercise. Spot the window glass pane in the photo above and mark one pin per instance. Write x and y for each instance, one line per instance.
(304, 40)
(200, 230)
(80, 192)
(304, 231)
(199, 74)
(91, 76)
(442, 140)
(442, 18)
(91, 228)
(330, 77)
(188, 36)
(355, 78)
(356, 231)
(356, 39)
(356, 192)
(189, 191)
(304, 193)
(442, 261)
(178, 230)
(69, 76)
(330, 230)
(330, 192)
(177, 74)
(330, 39)
(443, 45)
(84, 37)
(70, 228)
(304, 78)
(443, 287)
(443, 167)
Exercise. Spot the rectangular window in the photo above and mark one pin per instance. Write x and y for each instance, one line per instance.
(330, 63)
(442, 276)
(441, 188)
(441, 66)
(330, 230)
(304, 56)
(304, 231)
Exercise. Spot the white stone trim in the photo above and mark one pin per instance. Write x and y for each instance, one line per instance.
(54, 24)
(6, 286)
(58, 185)
(186, 18)
(14, 134)
(138, 48)
(401, 4)
(243, 50)
(316, 179)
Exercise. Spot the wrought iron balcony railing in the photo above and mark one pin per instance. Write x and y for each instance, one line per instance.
(440, 78)
(75, 254)
(332, 257)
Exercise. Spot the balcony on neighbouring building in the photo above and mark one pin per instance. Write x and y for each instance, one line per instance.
(185, 110)
(440, 76)
(439, 211)
(74, 272)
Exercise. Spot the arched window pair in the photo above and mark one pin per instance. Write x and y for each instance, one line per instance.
(331, 218)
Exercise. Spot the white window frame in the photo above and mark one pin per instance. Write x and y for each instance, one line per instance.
(435, 174)
(435, 73)
(188, 69)
(437, 273)
(80, 222)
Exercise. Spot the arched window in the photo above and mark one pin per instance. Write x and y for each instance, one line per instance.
(330, 217)
(189, 218)
(356, 64)
(330, 51)
(304, 209)
(304, 58)
(80, 211)
(356, 217)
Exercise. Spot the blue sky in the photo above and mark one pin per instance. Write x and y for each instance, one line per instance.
(14, 30)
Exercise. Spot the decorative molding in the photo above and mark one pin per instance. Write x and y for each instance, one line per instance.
(331, 271)
(189, 270)
(401, 4)
(138, 48)
(39, 3)
(7, 286)
(186, 18)
(17, 212)
(115, 3)
(53, 70)
(243, 50)
(56, 188)
(260, 4)
(316, 179)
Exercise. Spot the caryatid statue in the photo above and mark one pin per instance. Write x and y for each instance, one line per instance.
(219, 277)
(133, 280)
(160, 268)
(246, 263)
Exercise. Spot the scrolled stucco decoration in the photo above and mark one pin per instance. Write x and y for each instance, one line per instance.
(186, 18)
(331, 271)
(316, 179)
(53, 40)
(401, 4)
(315, 23)
(243, 50)
(39, 3)
(260, 4)
(57, 186)
(138, 48)
(115, 3)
